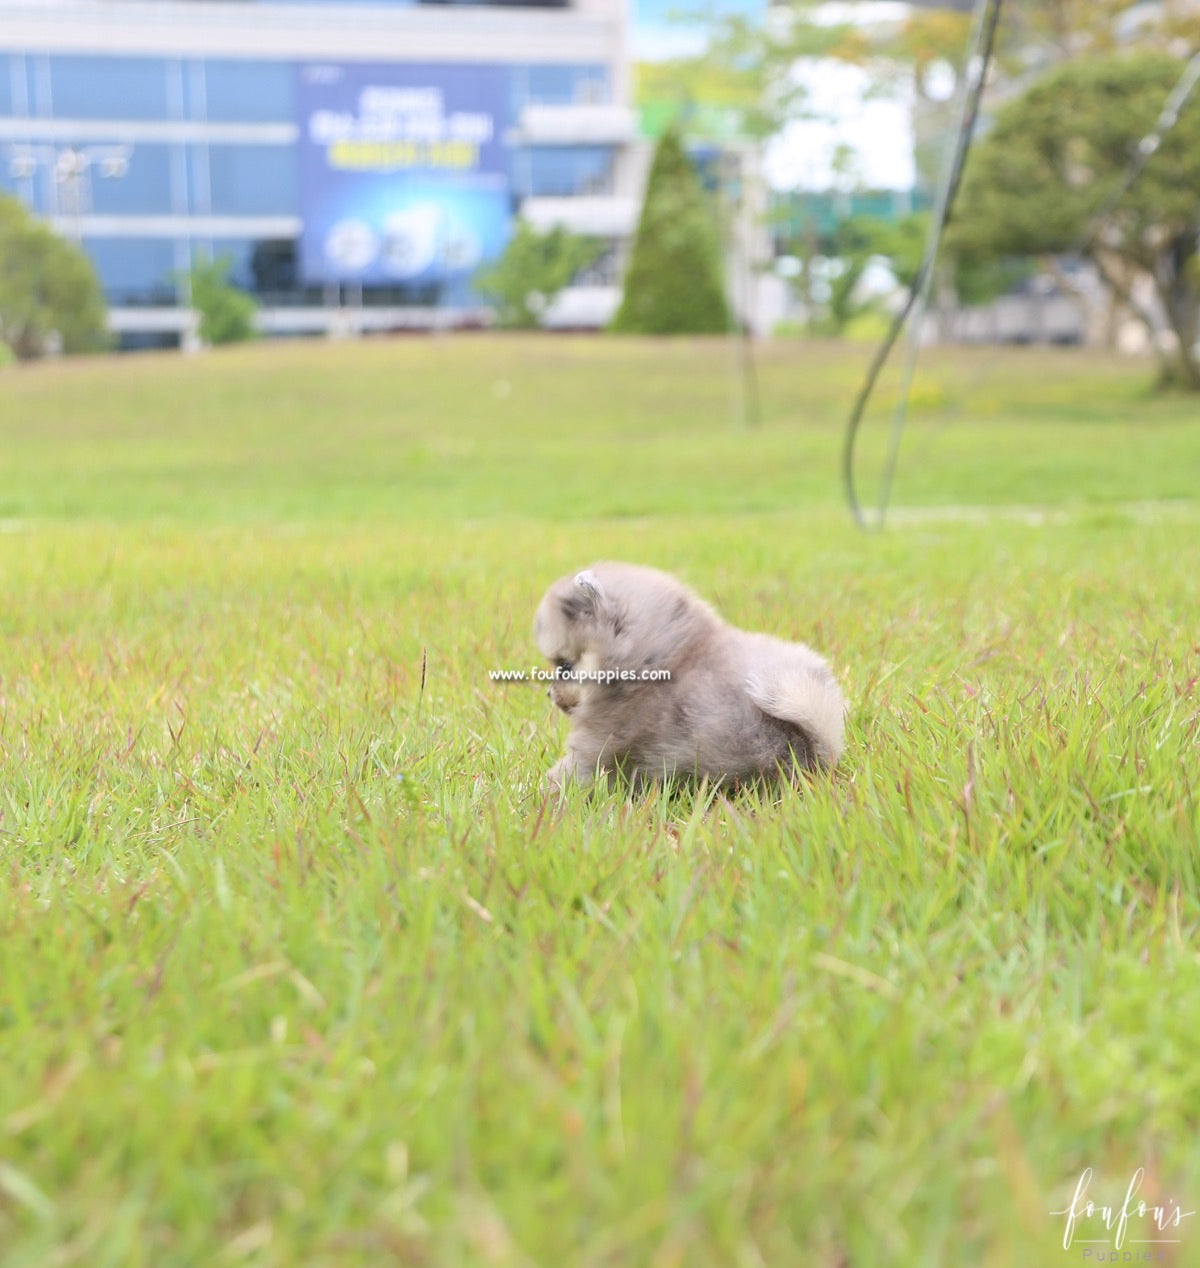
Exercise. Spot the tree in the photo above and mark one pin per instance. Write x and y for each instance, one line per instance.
(1045, 31)
(834, 264)
(50, 297)
(750, 62)
(1041, 181)
(674, 283)
(860, 242)
(748, 67)
(531, 270)
(226, 313)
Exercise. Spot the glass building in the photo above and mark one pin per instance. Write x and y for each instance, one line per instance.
(356, 163)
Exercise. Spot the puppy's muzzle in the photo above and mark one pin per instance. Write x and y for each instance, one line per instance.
(563, 695)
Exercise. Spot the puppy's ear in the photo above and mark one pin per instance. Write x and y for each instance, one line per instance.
(586, 600)
(587, 583)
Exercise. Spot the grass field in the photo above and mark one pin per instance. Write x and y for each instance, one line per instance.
(298, 965)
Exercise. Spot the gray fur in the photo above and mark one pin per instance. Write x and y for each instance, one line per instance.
(738, 706)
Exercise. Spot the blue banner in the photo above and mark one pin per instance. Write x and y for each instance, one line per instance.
(403, 171)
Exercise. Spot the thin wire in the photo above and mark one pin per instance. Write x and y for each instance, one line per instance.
(987, 18)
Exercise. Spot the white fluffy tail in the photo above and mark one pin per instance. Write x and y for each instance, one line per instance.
(811, 702)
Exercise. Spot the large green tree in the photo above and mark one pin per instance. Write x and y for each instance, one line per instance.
(675, 280)
(49, 294)
(1043, 181)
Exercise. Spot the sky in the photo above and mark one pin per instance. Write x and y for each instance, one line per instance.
(656, 36)
(878, 132)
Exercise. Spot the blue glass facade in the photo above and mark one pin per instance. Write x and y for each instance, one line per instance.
(242, 92)
(104, 88)
(549, 171)
(402, 4)
(249, 180)
(173, 158)
(135, 271)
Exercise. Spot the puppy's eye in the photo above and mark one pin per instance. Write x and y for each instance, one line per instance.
(563, 667)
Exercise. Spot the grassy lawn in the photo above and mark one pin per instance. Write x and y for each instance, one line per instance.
(298, 965)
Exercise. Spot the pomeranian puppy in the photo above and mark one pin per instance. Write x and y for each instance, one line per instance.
(657, 686)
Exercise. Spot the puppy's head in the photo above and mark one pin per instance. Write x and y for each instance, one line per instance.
(573, 629)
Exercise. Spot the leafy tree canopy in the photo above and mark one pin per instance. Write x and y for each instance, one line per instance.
(1055, 30)
(50, 297)
(1055, 157)
(749, 64)
(848, 251)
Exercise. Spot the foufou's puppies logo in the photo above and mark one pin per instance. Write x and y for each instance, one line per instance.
(1104, 1230)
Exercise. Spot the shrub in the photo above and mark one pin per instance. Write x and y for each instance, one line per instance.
(50, 297)
(530, 272)
(674, 283)
(226, 314)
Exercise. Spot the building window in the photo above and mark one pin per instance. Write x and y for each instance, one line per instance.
(271, 272)
(9, 66)
(83, 178)
(107, 88)
(143, 188)
(253, 180)
(135, 272)
(246, 92)
(555, 85)
(562, 171)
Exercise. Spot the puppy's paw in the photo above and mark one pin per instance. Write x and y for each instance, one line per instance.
(560, 774)
(567, 771)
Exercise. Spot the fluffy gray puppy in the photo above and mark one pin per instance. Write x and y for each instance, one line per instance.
(657, 685)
